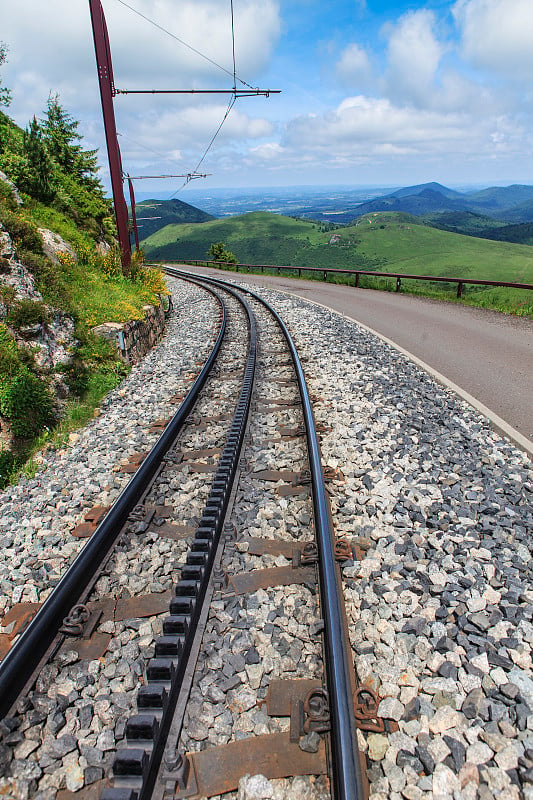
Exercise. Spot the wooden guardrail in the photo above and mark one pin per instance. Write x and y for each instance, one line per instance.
(357, 273)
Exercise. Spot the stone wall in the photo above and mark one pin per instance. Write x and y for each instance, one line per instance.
(135, 338)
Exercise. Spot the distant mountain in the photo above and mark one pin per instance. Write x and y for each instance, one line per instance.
(422, 188)
(424, 201)
(465, 222)
(505, 203)
(152, 215)
(500, 198)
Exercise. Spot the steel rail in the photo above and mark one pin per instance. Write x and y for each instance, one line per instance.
(137, 766)
(347, 773)
(19, 666)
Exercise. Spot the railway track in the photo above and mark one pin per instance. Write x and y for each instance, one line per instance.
(152, 693)
(217, 563)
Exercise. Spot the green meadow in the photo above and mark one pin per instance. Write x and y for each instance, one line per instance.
(383, 242)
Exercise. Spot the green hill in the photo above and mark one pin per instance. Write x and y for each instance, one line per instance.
(386, 242)
(521, 234)
(59, 277)
(152, 215)
(466, 222)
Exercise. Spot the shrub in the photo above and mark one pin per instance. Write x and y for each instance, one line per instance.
(27, 312)
(7, 465)
(77, 376)
(27, 403)
(7, 294)
(218, 252)
(23, 232)
(153, 279)
(35, 262)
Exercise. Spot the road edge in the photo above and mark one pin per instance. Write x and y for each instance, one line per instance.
(496, 422)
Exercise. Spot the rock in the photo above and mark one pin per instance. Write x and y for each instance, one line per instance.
(14, 191)
(473, 702)
(524, 683)
(53, 244)
(378, 744)
(310, 742)
(445, 783)
(74, 776)
(457, 750)
(444, 719)
(468, 773)
(507, 758)
(63, 745)
(478, 753)
(23, 769)
(255, 787)
(390, 708)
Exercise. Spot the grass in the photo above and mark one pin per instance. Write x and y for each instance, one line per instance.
(383, 242)
(77, 414)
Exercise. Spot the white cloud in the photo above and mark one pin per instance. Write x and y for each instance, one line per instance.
(353, 67)
(366, 131)
(496, 35)
(52, 51)
(414, 54)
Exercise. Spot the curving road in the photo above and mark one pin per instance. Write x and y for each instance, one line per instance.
(488, 355)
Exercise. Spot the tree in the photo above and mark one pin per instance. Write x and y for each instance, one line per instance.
(218, 252)
(5, 94)
(60, 131)
(38, 180)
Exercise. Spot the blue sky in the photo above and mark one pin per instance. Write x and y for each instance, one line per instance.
(373, 92)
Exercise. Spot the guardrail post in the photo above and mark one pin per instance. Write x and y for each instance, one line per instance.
(279, 270)
(460, 289)
(398, 284)
(326, 276)
(356, 280)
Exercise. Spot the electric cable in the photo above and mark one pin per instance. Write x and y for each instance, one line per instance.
(185, 44)
(208, 148)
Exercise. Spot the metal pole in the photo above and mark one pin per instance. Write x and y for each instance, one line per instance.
(133, 214)
(107, 91)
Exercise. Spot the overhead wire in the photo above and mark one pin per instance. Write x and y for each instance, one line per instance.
(233, 98)
(233, 47)
(231, 103)
(189, 46)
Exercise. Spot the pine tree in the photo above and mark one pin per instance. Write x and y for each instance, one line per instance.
(61, 135)
(39, 177)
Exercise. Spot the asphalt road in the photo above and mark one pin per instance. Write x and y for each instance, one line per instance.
(487, 354)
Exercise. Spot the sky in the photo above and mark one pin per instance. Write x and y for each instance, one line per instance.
(373, 92)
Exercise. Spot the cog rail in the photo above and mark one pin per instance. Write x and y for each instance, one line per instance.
(348, 783)
(21, 665)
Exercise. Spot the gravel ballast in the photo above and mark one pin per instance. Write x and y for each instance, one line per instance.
(440, 609)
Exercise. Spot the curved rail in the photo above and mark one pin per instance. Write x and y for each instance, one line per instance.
(347, 773)
(19, 666)
(146, 734)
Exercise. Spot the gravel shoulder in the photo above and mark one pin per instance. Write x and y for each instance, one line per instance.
(440, 609)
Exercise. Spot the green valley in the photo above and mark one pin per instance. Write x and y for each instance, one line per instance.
(388, 242)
